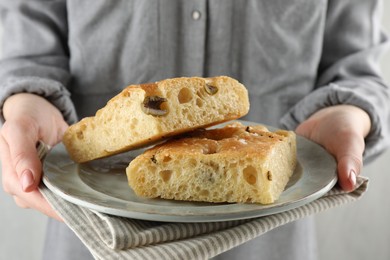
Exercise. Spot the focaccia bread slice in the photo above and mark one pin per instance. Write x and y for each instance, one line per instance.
(143, 114)
(235, 163)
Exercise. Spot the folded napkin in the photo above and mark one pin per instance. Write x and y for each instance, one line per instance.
(111, 237)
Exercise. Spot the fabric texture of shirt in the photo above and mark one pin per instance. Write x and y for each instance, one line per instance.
(295, 57)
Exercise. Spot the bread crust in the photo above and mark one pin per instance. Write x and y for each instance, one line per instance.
(235, 163)
(143, 114)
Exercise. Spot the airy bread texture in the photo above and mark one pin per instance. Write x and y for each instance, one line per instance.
(143, 114)
(235, 163)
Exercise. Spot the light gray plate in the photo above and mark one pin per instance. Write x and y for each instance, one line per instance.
(101, 185)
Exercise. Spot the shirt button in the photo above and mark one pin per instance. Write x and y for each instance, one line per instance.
(196, 15)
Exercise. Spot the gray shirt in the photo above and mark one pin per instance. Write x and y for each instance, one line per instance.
(295, 57)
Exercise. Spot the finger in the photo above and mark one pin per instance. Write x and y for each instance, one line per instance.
(36, 201)
(21, 139)
(20, 203)
(7, 173)
(33, 199)
(348, 168)
(349, 161)
(11, 183)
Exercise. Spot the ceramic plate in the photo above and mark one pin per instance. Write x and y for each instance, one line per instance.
(101, 185)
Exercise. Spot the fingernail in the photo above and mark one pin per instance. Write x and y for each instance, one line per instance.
(27, 180)
(352, 177)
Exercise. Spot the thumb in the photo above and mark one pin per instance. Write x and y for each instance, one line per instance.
(21, 139)
(348, 169)
(29, 169)
(349, 161)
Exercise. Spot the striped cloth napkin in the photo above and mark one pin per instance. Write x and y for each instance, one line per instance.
(111, 237)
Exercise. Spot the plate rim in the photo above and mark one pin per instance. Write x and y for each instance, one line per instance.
(252, 210)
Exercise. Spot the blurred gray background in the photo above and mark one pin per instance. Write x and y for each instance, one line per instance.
(358, 231)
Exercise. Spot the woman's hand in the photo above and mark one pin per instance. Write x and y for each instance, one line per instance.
(29, 118)
(341, 131)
